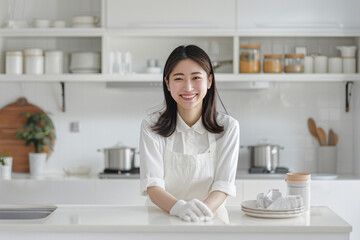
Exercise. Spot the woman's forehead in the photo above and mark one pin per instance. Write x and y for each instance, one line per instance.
(187, 66)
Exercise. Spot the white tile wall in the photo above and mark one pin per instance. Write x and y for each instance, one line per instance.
(278, 114)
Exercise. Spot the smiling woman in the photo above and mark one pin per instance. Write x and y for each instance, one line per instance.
(189, 152)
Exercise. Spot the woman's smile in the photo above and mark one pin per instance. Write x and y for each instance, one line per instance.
(188, 97)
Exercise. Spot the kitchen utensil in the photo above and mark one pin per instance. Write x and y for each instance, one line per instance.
(10, 120)
(265, 156)
(347, 51)
(322, 135)
(336, 139)
(312, 128)
(120, 158)
(331, 138)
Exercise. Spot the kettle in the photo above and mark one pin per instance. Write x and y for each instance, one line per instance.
(347, 51)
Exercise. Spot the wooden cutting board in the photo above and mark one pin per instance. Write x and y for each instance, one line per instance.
(10, 120)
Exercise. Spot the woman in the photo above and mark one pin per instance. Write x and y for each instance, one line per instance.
(189, 152)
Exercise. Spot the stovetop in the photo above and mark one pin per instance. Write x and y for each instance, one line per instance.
(116, 174)
(264, 170)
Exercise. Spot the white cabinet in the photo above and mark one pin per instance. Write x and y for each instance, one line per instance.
(151, 29)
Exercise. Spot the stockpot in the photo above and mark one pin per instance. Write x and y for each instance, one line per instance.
(119, 158)
(265, 156)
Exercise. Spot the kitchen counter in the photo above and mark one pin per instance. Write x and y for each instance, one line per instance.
(118, 222)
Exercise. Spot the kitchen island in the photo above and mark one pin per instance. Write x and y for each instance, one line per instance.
(141, 222)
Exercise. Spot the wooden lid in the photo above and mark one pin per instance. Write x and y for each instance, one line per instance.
(250, 46)
(293, 55)
(298, 177)
(273, 56)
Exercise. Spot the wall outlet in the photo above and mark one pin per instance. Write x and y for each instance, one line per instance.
(75, 127)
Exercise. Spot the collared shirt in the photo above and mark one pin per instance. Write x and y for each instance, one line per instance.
(190, 140)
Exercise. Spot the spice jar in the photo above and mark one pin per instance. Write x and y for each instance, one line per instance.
(14, 62)
(294, 63)
(299, 184)
(34, 61)
(250, 58)
(272, 63)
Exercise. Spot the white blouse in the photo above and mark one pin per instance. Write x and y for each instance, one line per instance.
(190, 140)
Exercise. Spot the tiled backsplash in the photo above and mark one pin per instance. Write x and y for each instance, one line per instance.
(278, 114)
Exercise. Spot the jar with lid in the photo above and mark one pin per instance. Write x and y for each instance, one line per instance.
(272, 63)
(294, 63)
(299, 184)
(34, 61)
(53, 62)
(14, 62)
(250, 58)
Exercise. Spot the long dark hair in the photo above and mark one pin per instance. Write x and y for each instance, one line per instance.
(166, 124)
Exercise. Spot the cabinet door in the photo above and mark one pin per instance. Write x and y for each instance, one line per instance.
(171, 13)
(300, 13)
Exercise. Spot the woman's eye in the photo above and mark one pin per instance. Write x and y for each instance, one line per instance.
(178, 79)
(197, 78)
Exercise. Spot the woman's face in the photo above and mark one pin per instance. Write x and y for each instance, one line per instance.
(188, 85)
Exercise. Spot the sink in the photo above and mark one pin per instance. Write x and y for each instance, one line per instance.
(23, 212)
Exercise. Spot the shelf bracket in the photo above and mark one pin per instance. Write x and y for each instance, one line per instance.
(63, 96)
(348, 90)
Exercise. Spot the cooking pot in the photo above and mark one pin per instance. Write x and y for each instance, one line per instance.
(119, 158)
(265, 156)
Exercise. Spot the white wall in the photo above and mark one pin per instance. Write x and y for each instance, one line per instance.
(107, 116)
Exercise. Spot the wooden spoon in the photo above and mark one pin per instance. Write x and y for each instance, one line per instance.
(322, 135)
(312, 128)
(331, 138)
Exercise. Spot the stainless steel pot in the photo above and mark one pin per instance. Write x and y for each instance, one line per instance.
(265, 156)
(119, 158)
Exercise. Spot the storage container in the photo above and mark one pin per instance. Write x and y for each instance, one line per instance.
(14, 62)
(34, 61)
(53, 62)
(250, 58)
(272, 63)
(294, 63)
(299, 184)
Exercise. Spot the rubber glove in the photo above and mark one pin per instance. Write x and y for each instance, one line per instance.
(193, 210)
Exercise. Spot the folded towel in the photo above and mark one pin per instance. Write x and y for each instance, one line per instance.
(274, 200)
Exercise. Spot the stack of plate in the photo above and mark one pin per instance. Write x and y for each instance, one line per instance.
(250, 208)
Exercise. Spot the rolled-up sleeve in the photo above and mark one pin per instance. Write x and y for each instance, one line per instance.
(227, 159)
(151, 159)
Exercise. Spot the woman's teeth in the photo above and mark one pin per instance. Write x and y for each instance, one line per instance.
(189, 96)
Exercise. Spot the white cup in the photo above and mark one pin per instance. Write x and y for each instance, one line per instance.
(58, 24)
(321, 64)
(335, 65)
(308, 64)
(349, 65)
(347, 51)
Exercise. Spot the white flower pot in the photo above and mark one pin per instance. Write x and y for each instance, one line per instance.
(5, 172)
(8, 162)
(37, 164)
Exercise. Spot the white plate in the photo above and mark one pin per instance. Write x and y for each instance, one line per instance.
(268, 215)
(251, 205)
(319, 176)
(267, 212)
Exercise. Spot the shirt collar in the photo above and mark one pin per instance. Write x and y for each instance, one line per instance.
(181, 126)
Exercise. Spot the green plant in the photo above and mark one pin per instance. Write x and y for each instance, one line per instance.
(38, 131)
(2, 156)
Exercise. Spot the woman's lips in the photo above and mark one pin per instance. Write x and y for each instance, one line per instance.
(188, 97)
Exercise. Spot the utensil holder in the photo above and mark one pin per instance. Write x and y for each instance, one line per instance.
(327, 159)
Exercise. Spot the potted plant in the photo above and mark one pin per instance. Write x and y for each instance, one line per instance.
(37, 131)
(6, 165)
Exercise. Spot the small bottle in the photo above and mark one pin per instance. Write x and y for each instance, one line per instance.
(299, 184)
(128, 63)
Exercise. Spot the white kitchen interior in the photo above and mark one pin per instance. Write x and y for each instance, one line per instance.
(109, 107)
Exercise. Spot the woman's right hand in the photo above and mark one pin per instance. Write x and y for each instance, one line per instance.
(192, 211)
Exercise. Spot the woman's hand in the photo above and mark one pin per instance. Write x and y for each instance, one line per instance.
(193, 210)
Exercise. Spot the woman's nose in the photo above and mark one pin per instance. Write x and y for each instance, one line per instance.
(188, 85)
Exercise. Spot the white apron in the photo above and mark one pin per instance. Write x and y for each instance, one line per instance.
(189, 176)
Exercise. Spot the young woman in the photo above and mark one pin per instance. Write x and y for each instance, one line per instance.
(189, 152)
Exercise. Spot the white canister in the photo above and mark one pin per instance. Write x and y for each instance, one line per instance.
(327, 159)
(335, 65)
(308, 64)
(349, 65)
(34, 61)
(14, 62)
(320, 65)
(54, 62)
(299, 184)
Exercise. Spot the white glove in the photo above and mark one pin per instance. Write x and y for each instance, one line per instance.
(193, 210)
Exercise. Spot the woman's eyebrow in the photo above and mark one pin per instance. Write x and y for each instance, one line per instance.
(196, 73)
(175, 74)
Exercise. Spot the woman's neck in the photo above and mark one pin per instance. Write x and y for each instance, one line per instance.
(190, 116)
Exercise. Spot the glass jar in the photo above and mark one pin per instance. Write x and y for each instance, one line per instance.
(34, 61)
(294, 63)
(250, 58)
(272, 63)
(14, 62)
(299, 184)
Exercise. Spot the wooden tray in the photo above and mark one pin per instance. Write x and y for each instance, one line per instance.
(10, 120)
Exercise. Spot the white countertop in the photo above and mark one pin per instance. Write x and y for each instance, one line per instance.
(117, 218)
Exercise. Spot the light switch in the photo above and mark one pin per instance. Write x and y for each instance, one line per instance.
(74, 127)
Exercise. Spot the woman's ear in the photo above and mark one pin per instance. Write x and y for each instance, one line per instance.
(167, 84)
(210, 81)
